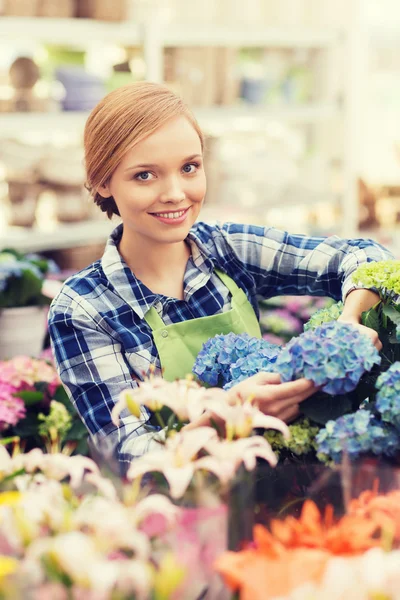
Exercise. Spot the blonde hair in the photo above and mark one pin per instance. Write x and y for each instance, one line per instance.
(119, 121)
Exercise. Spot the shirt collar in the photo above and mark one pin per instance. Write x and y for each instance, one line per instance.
(200, 254)
(131, 289)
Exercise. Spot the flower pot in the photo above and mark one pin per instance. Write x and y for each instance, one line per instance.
(22, 331)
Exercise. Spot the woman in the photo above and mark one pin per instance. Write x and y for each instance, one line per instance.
(166, 284)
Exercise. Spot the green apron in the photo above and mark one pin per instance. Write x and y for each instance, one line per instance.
(179, 344)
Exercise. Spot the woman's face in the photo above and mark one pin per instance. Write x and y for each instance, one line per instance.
(160, 184)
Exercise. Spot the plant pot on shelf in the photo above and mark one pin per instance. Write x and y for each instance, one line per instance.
(61, 9)
(20, 8)
(72, 205)
(22, 202)
(22, 331)
(103, 10)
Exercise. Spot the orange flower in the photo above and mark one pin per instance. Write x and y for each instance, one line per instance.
(259, 577)
(382, 509)
(350, 535)
(295, 551)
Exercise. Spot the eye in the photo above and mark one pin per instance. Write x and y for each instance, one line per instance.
(190, 168)
(143, 176)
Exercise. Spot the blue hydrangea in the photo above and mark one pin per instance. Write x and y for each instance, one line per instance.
(358, 433)
(10, 267)
(224, 358)
(388, 397)
(334, 356)
(260, 360)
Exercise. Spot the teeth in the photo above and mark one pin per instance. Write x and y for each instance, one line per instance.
(174, 215)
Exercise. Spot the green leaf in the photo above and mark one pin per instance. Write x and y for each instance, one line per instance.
(27, 427)
(9, 440)
(322, 407)
(30, 398)
(392, 313)
(370, 318)
(22, 291)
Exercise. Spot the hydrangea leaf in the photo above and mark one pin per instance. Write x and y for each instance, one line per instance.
(392, 313)
(322, 408)
(370, 318)
(30, 398)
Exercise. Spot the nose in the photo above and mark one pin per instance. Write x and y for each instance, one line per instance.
(172, 191)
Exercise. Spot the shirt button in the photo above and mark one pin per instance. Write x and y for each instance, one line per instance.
(164, 334)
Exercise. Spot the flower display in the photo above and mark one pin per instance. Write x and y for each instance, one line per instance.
(34, 406)
(324, 315)
(225, 358)
(334, 356)
(384, 276)
(58, 542)
(24, 372)
(281, 322)
(319, 556)
(22, 279)
(12, 409)
(356, 434)
(388, 397)
(301, 439)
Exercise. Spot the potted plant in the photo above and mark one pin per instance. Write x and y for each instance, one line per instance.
(23, 302)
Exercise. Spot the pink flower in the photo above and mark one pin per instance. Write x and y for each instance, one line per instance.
(12, 409)
(23, 372)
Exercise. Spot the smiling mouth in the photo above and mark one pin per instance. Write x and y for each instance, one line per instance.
(171, 215)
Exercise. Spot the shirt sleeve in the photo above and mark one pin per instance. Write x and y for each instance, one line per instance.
(93, 371)
(287, 264)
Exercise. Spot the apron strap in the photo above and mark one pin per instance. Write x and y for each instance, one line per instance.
(227, 281)
(154, 320)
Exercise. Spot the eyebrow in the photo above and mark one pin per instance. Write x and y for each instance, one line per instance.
(152, 165)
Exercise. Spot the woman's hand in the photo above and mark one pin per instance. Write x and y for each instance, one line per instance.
(371, 333)
(272, 397)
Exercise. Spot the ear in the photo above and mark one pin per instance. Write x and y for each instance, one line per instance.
(104, 191)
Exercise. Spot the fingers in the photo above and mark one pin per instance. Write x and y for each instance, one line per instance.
(276, 407)
(375, 339)
(290, 414)
(299, 389)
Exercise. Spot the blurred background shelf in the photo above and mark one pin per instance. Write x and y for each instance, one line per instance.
(280, 89)
(62, 236)
(277, 37)
(224, 117)
(76, 33)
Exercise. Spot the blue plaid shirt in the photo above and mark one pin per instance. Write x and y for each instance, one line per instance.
(102, 343)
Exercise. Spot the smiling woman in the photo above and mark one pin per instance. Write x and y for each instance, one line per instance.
(167, 283)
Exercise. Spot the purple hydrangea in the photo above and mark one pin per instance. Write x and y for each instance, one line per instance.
(224, 358)
(334, 356)
(281, 322)
(388, 397)
(358, 433)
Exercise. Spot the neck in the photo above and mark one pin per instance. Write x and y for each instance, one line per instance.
(147, 259)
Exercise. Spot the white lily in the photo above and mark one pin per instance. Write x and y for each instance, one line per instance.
(112, 526)
(153, 505)
(226, 456)
(176, 460)
(184, 397)
(242, 418)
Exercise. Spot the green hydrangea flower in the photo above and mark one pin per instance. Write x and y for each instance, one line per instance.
(324, 315)
(56, 424)
(302, 438)
(383, 276)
